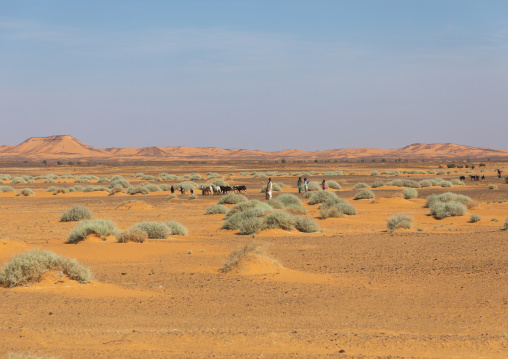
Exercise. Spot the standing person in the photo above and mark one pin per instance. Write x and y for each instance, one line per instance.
(172, 190)
(269, 187)
(498, 173)
(305, 184)
(299, 184)
(324, 185)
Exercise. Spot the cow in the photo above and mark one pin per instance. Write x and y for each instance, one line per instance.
(239, 189)
(473, 177)
(462, 178)
(216, 190)
(225, 189)
(206, 190)
(483, 177)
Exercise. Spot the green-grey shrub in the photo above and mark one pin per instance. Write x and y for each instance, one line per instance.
(365, 193)
(103, 179)
(232, 198)
(361, 185)
(100, 227)
(505, 227)
(187, 185)
(492, 186)
(17, 180)
(425, 183)
(136, 235)
(177, 229)
(446, 184)
(76, 213)
(28, 267)
(148, 178)
(306, 224)
(321, 197)
(457, 182)
(250, 225)
(399, 221)
(213, 175)
(116, 182)
(235, 220)
(475, 218)
(6, 189)
(60, 190)
(138, 190)
(154, 230)
(193, 196)
(115, 189)
(374, 173)
(26, 192)
(216, 209)
(279, 219)
(404, 182)
(219, 182)
(431, 171)
(409, 193)
(247, 205)
(336, 207)
(442, 210)
(289, 199)
(377, 184)
(333, 185)
(165, 187)
(448, 197)
(275, 203)
(196, 177)
(295, 209)
(315, 186)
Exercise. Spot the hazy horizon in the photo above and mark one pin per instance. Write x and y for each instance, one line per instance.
(265, 75)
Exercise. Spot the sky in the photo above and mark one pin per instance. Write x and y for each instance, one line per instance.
(260, 75)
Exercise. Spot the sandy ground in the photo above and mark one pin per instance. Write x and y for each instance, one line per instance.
(352, 290)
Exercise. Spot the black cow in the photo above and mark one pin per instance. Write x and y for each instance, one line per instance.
(225, 189)
(462, 178)
(239, 189)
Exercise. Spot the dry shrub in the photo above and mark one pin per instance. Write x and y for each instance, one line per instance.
(399, 221)
(237, 254)
(28, 267)
(136, 235)
(76, 213)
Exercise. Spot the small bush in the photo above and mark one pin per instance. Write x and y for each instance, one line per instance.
(118, 181)
(289, 199)
(275, 203)
(365, 194)
(492, 186)
(28, 267)
(505, 226)
(457, 182)
(399, 221)
(154, 230)
(276, 187)
(76, 213)
(60, 190)
(237, 254)
(401, 182)
(431, 171)
(250, 225)
(115, 190)
(279, 219)
(321, 197)
(100, 227)
(361, 185)
(136, 235)
(306, 225)
(220, 182)
(442, 210)
(138, 190)
(409, 193)
(377, 184)
(216, 209)
(446, 184)
(475, 218)
(374, 173)
(193, 196)
(177, 229)
(449, 197)
(315, 186)
(232, 198)
(336, 207)
(26, 192)
(333, 185)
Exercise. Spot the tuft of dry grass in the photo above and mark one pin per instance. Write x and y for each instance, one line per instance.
(237, 254)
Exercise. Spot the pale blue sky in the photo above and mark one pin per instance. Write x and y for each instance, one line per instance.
(262, 74)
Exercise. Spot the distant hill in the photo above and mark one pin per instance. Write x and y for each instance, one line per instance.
(65, 147)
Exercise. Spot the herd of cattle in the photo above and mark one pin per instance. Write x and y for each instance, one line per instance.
(209, 190)
(473, 177)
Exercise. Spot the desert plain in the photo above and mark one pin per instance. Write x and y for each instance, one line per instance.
(353, 289)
